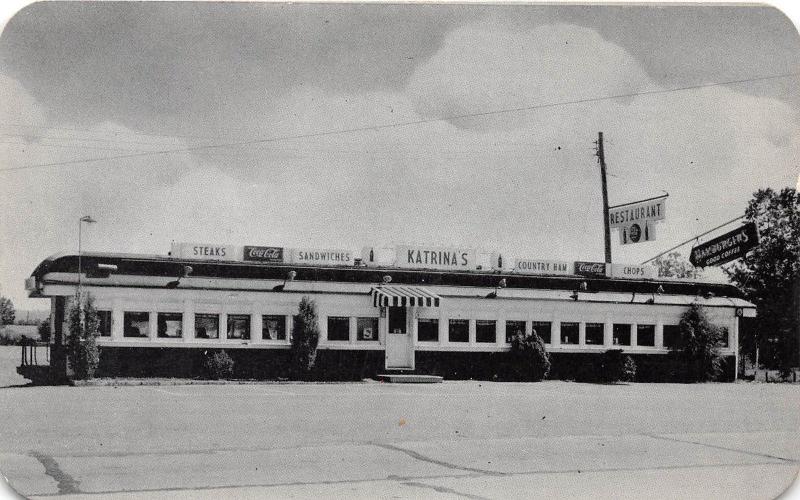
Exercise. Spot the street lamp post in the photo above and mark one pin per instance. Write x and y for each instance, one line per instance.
(87, 219)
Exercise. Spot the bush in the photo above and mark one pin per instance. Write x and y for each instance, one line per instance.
(44, 330)
(699, 346)
(305, 338)
(82, 353)
(218, 365)
(617, 367)
(529, 358)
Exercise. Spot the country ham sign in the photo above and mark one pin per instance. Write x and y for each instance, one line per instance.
(730, 246)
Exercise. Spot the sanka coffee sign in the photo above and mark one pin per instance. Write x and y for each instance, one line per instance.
(730, 246)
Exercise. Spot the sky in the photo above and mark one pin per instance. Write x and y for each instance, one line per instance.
(346, 125)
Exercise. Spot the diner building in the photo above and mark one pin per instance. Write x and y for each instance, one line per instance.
(438, 311)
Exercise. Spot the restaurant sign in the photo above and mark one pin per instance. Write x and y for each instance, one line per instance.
(591, 269)
(632, 271)
(730, 246)
(205, 251)
(637, 212)
(536, 266)
(316, 257)
(263, 254)
(435, 258)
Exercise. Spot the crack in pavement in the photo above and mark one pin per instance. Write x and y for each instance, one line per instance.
(718, 447)
(423, 458)
(66, 484)
(442, 489)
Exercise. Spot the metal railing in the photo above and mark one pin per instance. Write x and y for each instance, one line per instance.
(31, 355)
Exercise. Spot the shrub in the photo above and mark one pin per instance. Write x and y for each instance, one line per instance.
(218, 365)
(82, 353)
(617, 367)
(305, 338)
(44, 330)
(699, 345)
(529, 358)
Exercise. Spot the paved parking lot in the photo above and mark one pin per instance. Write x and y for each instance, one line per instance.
(372, 440)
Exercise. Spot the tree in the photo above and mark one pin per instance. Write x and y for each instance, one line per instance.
(673, 265)
(768, 274)
(698, 348)
(7, 311)
(305, 338)
(617, 367)
(82, 352)
(529, 358)
(44, 330)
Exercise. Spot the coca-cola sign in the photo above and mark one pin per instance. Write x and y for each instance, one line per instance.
(594, 269)
(263, 254)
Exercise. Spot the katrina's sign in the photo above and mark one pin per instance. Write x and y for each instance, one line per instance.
(730, 246)
(263, 254)
(436, 258)
(535, 266)
(638, 212)
(591, 269)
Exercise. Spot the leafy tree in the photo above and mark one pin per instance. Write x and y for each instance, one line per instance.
(218, 365)
(44, 330)
(529, 358)
(769, 272)
(7, 311)
(617, 367)
(82, 352)
(673, 265)
(305, 338)
(698, 349)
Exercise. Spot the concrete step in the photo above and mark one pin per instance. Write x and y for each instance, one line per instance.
(408, 378)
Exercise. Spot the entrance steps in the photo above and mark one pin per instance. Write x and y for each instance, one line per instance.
(408, 378)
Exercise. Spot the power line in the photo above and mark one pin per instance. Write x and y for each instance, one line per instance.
(368, 128)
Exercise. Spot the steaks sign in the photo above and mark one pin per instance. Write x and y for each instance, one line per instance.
(730, 246)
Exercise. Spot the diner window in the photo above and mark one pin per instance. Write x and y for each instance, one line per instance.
(338, 328)
(428, 330)
(646, 335)
(170, 325)
(622, 334)
(104, 323)
(486, 331)
(569, 333)
(239, 326)
(273, 327)
(458, 330)
(367, 329)
(136, 324)
(594, 333)
(206, 326)
(514, 328)
(672, 336)
(723, 339)
(542, 329)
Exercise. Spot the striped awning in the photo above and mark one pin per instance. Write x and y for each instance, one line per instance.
(403, 296)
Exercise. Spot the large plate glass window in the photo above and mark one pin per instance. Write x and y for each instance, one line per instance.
(428, 330)
(367, 329)
(104, 326)
(514, 328)
(170, 325)
(646, 335)
(672, 336)
(273, 327)
(569, 332)
(542, 329)
(594, 333)
(622, 334)
(458, 330)
(206, 326)
(486, 331)
(239, 326)
(338, 328)
(136, 324)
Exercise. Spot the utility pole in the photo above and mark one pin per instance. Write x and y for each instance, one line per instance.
(602, 159)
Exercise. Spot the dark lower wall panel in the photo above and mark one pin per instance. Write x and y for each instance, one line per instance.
(337, 365)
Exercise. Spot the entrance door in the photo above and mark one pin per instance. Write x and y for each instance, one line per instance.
(399, 351)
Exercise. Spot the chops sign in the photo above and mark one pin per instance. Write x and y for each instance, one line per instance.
(730, 246)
